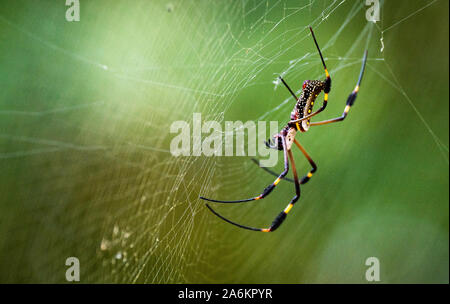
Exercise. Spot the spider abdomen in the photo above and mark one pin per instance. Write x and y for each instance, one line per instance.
(305, 104)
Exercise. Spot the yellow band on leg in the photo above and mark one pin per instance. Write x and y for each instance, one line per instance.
(347, 108)
(288, 208)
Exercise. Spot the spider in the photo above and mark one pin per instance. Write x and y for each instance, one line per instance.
(300, 122)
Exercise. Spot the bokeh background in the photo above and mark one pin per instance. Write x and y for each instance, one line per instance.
(85, 166)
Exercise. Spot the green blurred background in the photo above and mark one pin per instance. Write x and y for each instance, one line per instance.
(85, 168)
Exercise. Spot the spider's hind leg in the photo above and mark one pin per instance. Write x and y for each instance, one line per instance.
(268, 189)
(281, 216)
(270, 171)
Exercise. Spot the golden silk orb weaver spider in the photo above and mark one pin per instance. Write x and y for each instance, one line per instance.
(300, 122)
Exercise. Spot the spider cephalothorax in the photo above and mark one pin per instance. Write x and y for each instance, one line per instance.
(300, 122)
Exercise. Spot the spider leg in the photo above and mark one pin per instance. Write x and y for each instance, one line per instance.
(270, 171)
(350, 100)
(268, 189)
(305, 178)
(281, 217)
(326, 89)
(231, 222)
(308, 176)
(286, 85)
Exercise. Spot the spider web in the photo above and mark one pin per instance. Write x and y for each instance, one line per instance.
(85, 115)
